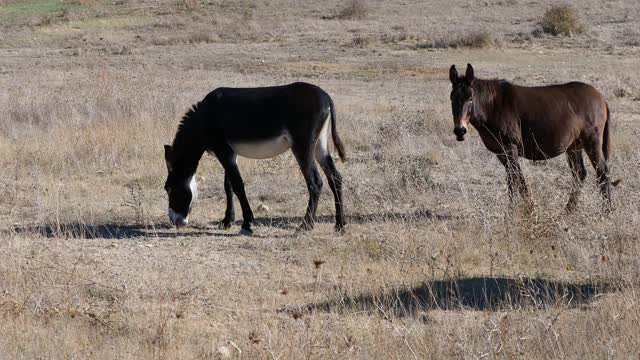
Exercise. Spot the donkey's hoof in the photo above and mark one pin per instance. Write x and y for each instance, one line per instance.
(225, 225)
(305, 226)
(340, 228)
(245, 232)
(570, 207)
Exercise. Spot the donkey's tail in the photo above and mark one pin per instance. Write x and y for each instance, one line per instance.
(606, 141)
(334, 133)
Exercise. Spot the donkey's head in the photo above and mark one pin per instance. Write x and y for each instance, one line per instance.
(461, 100)
(180, 186)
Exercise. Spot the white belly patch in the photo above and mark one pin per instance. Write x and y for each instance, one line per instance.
(263, 149)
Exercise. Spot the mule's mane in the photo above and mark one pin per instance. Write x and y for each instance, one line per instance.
(487, 90)
(486, 93)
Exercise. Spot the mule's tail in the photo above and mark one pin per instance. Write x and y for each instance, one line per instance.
(606, 141)
(334, 133)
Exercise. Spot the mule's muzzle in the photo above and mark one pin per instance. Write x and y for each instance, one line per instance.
(460, 132)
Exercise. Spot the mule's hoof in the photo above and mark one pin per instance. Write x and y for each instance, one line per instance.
(225, 225)
(340, 228)
(245, 232)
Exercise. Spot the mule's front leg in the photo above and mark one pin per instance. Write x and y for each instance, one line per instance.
(515, 178)
(511, 187)
(229, 214)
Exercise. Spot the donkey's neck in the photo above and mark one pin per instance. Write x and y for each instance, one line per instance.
(486, 95)
(188, 144)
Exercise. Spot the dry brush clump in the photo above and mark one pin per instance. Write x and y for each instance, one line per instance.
(354, 10)
(562, 20)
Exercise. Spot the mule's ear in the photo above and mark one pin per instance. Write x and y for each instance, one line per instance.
(469, 74)
(168, 155)
(453, 74)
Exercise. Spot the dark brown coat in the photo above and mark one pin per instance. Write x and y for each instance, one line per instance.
(536, 123)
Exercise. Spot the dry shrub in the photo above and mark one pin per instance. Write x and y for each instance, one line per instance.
(479, 40)
(562, 20)
(355, 10)
(361, 41)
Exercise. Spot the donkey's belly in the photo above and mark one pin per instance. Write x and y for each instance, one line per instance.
(262, 149)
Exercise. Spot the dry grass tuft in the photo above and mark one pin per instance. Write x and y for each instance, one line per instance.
(471, 40)
(355, 10)
(477, 40)
(562, 20)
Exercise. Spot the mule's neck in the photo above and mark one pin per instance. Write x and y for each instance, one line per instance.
(486, 95)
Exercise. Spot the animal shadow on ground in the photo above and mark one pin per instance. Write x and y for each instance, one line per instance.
(116, 231)
(478, 293)
(125, 231)
(290, 222)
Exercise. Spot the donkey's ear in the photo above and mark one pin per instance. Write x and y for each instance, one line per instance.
(168, 156)
(453, 74)
(469, 74)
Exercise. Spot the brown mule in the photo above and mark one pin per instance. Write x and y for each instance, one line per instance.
(536, 123)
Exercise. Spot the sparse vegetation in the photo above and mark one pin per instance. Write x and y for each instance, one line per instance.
(472, 40)
(434, 264)
(354, 10)
(562, 20)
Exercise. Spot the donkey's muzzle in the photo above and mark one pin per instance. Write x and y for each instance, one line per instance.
(180, 222)
(460, 132)
(176, 219)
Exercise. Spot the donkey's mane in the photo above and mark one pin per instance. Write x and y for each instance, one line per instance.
(186, 126)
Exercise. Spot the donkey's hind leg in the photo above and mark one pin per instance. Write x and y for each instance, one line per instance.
(314, 184)
(579, 173)
(594, 151)
(229, 214)
(335, 182)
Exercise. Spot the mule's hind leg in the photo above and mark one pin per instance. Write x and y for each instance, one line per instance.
(229, 214)
(314, 184)
(335, 182)
(579, 173)
(594, 151)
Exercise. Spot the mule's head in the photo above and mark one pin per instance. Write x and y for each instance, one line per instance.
(461, 100)
(180, 186)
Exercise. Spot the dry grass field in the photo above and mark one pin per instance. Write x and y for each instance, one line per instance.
(434, 263)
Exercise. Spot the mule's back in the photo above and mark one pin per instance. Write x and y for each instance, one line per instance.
(551, 118)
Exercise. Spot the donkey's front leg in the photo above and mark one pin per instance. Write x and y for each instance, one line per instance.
(228, 161)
